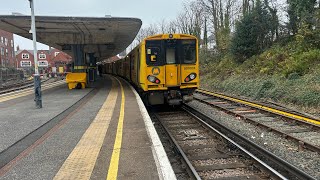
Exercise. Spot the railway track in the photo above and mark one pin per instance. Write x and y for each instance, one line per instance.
(13, 86)
(18, 86)
(28, 91)
(209, 154)
(302, 129)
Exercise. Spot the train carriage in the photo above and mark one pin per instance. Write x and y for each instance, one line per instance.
(164, 68)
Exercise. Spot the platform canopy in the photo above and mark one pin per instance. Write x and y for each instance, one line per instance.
(104, 36)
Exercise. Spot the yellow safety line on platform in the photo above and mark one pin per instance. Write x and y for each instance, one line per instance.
(263, 107)
(28, 92)
(81, 161)
(114, 163)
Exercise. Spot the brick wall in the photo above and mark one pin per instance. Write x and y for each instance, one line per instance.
(7, 55)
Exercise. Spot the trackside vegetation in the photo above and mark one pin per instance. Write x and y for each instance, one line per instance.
(285, 70)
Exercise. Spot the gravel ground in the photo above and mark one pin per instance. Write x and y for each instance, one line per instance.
(177, 122)
(224, 173)
(305, 160)
(203, 151)
(216, 161)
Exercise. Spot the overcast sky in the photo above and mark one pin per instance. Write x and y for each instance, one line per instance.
(149, 11)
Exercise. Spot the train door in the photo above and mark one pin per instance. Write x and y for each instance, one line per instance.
(172, 67)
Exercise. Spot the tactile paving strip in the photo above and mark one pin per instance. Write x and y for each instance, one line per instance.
(81, 161)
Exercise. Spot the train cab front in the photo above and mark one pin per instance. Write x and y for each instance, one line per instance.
(172, 68)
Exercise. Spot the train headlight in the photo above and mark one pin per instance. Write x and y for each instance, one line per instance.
(153, 79)
(190, 77)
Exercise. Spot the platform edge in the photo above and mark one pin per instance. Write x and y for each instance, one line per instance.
(164, 167)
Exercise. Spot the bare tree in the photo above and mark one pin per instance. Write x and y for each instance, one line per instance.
(222, 16)
(172, 27)
(142, 34)
(191, 20)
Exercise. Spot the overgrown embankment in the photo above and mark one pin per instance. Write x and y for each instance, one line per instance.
(288, 74)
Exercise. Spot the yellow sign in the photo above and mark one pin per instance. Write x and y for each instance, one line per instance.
(155, 71)
(153, 58)
(60, 69)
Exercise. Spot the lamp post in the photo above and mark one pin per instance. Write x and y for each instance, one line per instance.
(37, 82)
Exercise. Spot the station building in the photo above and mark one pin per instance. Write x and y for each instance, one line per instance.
(49, 61)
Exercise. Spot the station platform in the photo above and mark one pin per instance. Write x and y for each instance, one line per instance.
(102, 132)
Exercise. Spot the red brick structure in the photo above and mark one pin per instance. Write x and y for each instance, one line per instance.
(7, 56)
(24, 58)
(61, 61)
(51, 60)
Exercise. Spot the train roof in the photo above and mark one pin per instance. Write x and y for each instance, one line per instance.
(170, 36)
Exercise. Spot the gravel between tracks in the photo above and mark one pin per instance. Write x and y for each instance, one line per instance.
(305, 160)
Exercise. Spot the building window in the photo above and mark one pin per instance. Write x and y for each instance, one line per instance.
(43, 63)
(56, 53)
(25, 56)
(25, 63)
(42, 56)
(5, 41)
(2, 51)
(11, 43)
(1, 39)
(2, 63)
(12, 54)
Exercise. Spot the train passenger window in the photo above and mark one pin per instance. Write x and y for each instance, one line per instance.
(170, 56)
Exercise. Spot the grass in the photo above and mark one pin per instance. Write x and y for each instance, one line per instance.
(287, 74)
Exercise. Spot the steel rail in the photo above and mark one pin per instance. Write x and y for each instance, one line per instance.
(185, 158)
(292, 116)
(301, 142)
(30, 89)
(21, 86)
(287, 167)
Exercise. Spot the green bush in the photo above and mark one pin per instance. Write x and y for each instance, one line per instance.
(302, 63)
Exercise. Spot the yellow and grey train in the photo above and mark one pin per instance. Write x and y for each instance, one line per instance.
(164, 68)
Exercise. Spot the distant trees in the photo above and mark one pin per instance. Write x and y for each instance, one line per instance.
(253, 33)
(299, 12)
(191, 20)
(221, 14)
(242, 27)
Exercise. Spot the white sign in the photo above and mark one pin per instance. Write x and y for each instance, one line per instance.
(43, 63)
(54, 69)
(25, 63)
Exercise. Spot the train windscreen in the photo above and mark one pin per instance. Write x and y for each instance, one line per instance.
(170, 51)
